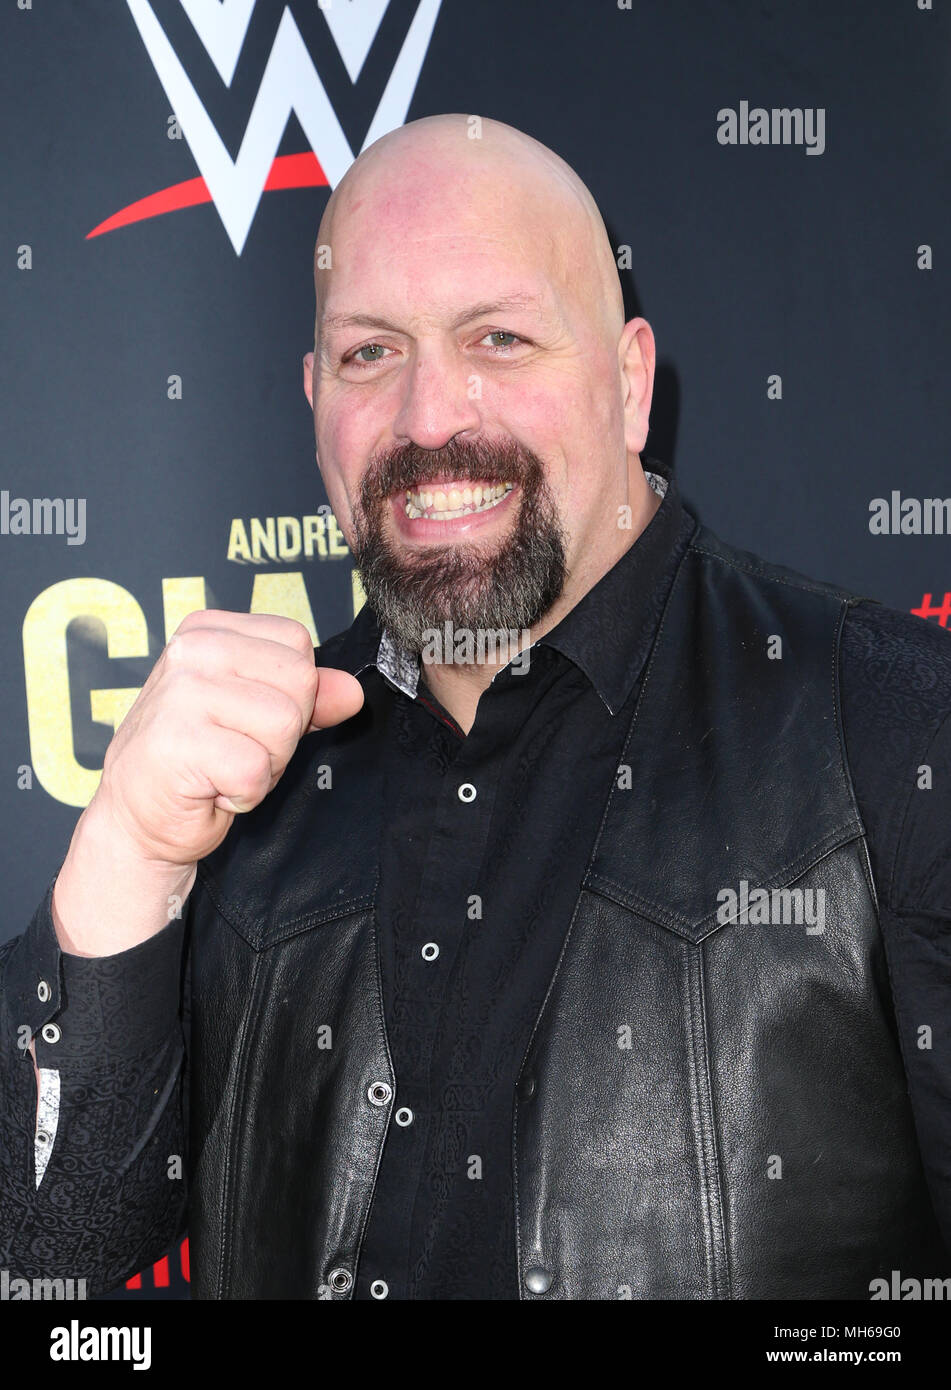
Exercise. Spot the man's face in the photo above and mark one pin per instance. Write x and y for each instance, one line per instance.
(467, 406)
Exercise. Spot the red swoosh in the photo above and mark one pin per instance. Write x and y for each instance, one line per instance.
(287, 171)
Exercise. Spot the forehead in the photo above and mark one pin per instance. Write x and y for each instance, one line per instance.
(439, 285)
(423, 245)
(342, 314)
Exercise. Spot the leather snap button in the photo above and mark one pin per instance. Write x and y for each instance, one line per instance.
(430, 951)
(379, 1288)
(538, 1280)
(379, 1092)
(404, 1116)
(50, 1033)
(43, 992)
(340, 1280)
(467, 792)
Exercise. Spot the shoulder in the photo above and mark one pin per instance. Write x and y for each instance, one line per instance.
(895, 686)
(708, 544)
(894, 694)
(895, 677)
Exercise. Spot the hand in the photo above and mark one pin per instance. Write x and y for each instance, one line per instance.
(213, 729)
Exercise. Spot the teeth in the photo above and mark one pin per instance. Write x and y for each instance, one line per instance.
(457, 502)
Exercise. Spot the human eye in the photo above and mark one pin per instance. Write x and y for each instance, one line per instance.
(502, 333)
(359, 360)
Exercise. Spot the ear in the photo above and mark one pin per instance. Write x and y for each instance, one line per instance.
(636, 358)
(309, 377)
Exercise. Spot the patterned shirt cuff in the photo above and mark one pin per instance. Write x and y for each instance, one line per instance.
(89, 1011)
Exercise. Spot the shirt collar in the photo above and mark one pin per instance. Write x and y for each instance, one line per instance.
(607, 634)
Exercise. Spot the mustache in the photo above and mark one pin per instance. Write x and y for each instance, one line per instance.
(410, 466)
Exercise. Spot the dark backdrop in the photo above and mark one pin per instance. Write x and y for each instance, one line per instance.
(751, 261)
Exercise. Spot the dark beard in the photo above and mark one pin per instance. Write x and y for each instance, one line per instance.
(510, 587)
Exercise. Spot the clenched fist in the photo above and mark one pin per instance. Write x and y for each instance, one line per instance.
(209, 735)
(214, 727)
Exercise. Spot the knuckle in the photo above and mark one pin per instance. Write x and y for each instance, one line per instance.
(258, 768)
(286, 725)
(202, 620)
(190, 621)
(307, 678)
(180, 647)
(184, 686)
(298, 637)
(301, 664)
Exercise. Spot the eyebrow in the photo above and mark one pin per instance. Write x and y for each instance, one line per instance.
(504, 304)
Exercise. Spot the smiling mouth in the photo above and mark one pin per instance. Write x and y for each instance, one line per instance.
(448, 503)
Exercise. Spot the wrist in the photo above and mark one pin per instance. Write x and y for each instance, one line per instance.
(109, 895)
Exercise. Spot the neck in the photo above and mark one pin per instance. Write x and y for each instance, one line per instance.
(458, 686)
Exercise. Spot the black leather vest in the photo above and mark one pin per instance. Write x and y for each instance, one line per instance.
(711, 1105)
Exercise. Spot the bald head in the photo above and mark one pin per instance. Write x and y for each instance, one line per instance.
(479, 402)
(474, 177)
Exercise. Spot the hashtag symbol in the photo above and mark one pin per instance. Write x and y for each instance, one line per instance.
(940, 611)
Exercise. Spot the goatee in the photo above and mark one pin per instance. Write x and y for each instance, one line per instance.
(473, 585)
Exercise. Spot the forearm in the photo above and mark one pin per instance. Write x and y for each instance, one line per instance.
(98, 1187)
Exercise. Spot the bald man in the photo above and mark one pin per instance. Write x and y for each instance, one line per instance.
(553, 962)
(488, 236)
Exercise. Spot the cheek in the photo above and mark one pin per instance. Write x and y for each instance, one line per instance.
(572, 433)
(540, 417)
(559, 426)
(342, 449)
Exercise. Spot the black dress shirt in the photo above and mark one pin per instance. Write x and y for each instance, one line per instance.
(493, 892)
(471, 922)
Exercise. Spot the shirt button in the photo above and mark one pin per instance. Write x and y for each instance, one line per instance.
(526, 1087)
(340, 1280)
(538, 1280)
(404, 1116)
(43, 991)
(42, 1137)
(379, 1092)
(467, 792)
(50, 1033)
(379, 1288)
(430, 951)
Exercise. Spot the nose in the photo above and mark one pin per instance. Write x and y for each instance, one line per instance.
(440, 399)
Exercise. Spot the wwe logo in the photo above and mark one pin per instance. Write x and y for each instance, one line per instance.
(290, 84)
